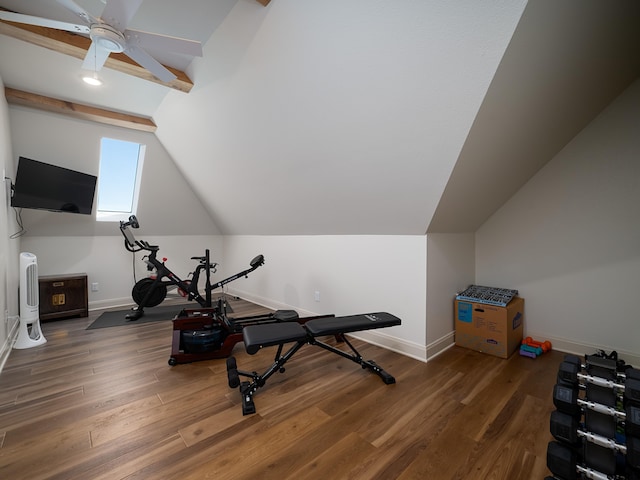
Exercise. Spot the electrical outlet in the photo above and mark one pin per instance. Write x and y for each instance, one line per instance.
(317, 295)
(95, 287)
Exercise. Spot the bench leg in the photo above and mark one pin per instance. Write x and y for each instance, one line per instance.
(357, 358)
(248, 407)
(375, 368)
(248, 389)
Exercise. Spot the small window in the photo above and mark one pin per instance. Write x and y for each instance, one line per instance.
(119, 179)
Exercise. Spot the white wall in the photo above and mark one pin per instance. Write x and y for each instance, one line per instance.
(170, 214)
(106, 262)
(9, 248)
(450, 269)
(353, 274)
(569, 240)
(167, 204)
(333, 110)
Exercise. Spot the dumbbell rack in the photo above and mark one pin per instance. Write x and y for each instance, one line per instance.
(596, 424)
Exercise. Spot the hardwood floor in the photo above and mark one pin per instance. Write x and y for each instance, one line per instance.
(105, 404)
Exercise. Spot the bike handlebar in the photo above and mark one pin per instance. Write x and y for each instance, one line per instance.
(255, 263)
(130, 242)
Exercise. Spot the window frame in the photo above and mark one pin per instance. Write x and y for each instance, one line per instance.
(116, 216)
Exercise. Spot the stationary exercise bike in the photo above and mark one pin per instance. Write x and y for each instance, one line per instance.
(150, 292)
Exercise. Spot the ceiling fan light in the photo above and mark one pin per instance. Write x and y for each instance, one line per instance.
(92, 80)
(109, 45)
(108, 38)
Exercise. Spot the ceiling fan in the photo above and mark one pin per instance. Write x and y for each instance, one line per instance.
(109, 34)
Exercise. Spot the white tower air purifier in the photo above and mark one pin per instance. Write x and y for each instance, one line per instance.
(29, 332)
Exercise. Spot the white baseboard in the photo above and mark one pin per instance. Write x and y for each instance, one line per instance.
(268, 303)
(111, 303)
(395, 344)
(12, 333)
(375, 337)
(581, 349)
(126, 302)
(559, 344)
(440, 345)
(411, 349)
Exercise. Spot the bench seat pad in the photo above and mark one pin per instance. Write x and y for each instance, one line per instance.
(352, 323)
(258, 336)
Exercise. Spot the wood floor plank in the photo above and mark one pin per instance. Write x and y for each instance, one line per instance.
(255, 453)
(126, 466)
(18, 460)
(104, 404)
(224, 419)
(337, 458)
(400, 450)
(21, 417)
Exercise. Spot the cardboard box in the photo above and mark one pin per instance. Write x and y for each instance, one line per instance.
(488, 328)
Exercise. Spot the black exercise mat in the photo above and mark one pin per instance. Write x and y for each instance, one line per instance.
(155, 314)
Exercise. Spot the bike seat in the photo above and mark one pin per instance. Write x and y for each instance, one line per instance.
(257, 261)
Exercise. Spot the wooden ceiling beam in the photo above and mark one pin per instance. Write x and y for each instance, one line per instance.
(77, 46)
(77, 110)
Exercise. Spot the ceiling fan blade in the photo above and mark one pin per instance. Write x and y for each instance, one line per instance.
(145, 60)
(42, 22)
(163, 42)
(95, 58)
(78, 10)
(118, 13)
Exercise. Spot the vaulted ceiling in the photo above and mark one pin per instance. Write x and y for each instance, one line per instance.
(357, 117)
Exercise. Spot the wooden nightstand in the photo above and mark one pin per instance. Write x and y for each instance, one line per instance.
(63, 296)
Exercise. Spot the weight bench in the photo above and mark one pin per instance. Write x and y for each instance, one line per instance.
(257, 337)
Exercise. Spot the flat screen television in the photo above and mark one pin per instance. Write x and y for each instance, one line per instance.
(43, 186)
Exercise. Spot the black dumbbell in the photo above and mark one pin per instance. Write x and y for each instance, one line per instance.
(631, 372)
(632, 420)
(632, 388)
(567, 428)
(566, 399)
(608, 367)
(562, 460)
(602, 366)
(564, 427)
(570, 372)
(632, 474)
(633, 452)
